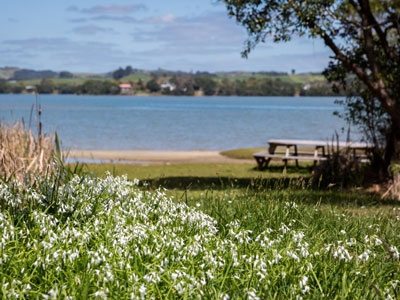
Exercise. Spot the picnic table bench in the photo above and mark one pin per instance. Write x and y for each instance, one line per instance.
(287, 149)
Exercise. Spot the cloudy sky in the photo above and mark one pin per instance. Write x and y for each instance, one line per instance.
(102, 35)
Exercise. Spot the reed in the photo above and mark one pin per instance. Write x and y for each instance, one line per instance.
(24, 154)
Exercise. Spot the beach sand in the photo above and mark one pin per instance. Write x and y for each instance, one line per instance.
(150, 156)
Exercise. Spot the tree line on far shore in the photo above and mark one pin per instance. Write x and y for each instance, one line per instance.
(168, 83)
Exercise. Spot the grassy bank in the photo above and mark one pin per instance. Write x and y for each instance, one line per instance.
(108, 238)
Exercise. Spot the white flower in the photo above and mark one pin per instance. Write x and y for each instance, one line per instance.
(142, 291)
(292, 255)
(377, 242)
(224, 297)
(297, 237)
(394, 251)
(365, 255)
(342, 253)
(101, 294)
(251, 295)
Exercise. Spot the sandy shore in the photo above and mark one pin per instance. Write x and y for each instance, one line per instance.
(150, 156)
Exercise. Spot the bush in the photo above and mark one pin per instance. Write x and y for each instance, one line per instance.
(342, 169)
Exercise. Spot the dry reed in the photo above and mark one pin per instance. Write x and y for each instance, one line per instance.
(24, 155)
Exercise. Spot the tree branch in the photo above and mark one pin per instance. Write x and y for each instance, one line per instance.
(364, 9)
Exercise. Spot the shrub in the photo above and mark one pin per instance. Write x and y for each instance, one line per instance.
(342, 169)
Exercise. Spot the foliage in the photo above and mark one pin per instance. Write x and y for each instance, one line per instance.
(4, 87)
(206, 84)
(67, 89)
(153, 86)
(46, 86)
(97, 87)
(341, 170)
(66, 74)
(266, 87)
(364, 111)
(118, 74)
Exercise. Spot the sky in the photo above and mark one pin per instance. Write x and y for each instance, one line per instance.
(99, 36)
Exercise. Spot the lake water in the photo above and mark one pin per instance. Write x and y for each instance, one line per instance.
(176, 123)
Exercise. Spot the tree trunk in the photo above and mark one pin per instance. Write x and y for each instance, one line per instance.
(393, 145)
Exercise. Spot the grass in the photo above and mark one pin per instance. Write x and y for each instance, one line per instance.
(242, 153)
(136, 76)
(204, 175)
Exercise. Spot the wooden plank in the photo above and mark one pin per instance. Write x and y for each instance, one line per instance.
(309, 158)
(341, 144)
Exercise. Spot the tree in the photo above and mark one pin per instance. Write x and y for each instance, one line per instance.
(66, 89)
(153, 86)
(65, 74)
(206, 84)
(46, 86)
(226, 88)
(184, 85)
(98, 87)
(364, 36)
(4, 87)
(140, 85)
(118, 74)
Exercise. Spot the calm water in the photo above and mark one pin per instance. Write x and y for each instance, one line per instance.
(176, 123)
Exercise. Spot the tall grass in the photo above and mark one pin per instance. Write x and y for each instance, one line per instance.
(23, 153)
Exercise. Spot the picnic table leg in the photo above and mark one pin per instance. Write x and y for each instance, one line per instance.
(262, 162)
(296, 153)
(271, 149)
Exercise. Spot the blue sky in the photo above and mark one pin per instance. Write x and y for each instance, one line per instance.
(100, 36)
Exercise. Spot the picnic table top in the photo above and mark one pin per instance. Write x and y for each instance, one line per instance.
(319, 143)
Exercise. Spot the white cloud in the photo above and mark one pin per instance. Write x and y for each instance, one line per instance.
(213, 32)
(121, 19)
(109, 9)
(92, 30)
(164, 19)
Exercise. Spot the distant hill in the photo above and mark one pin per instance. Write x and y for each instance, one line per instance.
(8, 72)
(25, 74)
(15, 73)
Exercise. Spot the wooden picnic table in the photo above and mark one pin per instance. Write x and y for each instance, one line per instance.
(288, 149)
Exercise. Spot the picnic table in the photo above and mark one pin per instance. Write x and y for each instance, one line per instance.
(288, 149)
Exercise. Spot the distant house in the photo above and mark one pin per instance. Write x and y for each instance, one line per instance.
(126, 88)
(30, 88)
(168, 86)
